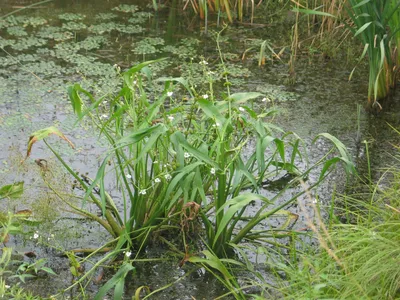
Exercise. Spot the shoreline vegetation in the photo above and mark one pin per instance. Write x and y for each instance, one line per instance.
(196, 164)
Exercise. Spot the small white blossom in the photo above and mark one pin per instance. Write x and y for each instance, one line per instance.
(157, 180)
(186, 155)
(134, 82)
(241, 108)
(105, 102)
(171, 118)
(103, 116)
(35, 235)
(212, 171)
(169, 94)
(315, 201)
(142, 192)
(128, 253)
(266, 99)
(205, 96)
(129, 176)
(7, 286)
(210, 73)
(167, 176)
(203, 62)
(155, 162)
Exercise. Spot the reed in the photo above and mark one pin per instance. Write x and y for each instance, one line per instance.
(375, 24)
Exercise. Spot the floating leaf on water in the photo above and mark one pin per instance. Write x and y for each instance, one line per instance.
(103, 27)
(126, 8)
(17, 31)
(140, 17)
(71, 17)
(73, 26)
(144, 48)
(55, 33)
(27, 57)
(106, 16)
(32, 21)
(277, 93)
(93, 42)
(43, 67)
(129, 28)
(26, 43)
(6, 42)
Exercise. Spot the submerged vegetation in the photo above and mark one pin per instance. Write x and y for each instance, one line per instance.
(187, 162)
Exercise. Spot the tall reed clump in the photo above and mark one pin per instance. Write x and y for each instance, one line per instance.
(230, 8)
(375, 23)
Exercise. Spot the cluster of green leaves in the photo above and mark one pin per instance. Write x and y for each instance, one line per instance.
(376, 24)
(170, 156)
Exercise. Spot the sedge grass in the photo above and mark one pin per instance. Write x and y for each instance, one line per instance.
(357, 259)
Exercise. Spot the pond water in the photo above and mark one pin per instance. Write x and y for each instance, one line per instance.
(48, 47)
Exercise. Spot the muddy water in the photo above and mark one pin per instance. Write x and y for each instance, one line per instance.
(33, 84)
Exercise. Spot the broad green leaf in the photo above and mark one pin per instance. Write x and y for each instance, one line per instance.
(212, 261)
(179, 138)
(115, 280)
(234, 205)
(12, 191)
(211, 111)
(244, 97)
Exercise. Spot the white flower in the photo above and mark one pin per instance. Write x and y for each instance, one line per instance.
(169, 94)
(134, 82)
(241, 108)
(266, 99)
(157, 180)
(105, 102)
(103, 116)
(315, 201)
(129, 176)
(155, 162)
(167, 176)
(7, 286)
(128, 253)
(210, 73)
(171, 118)
(203, 62)
(142, 192)
(186, 155)
(212, 171)
(205, 96)
(35, 235)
